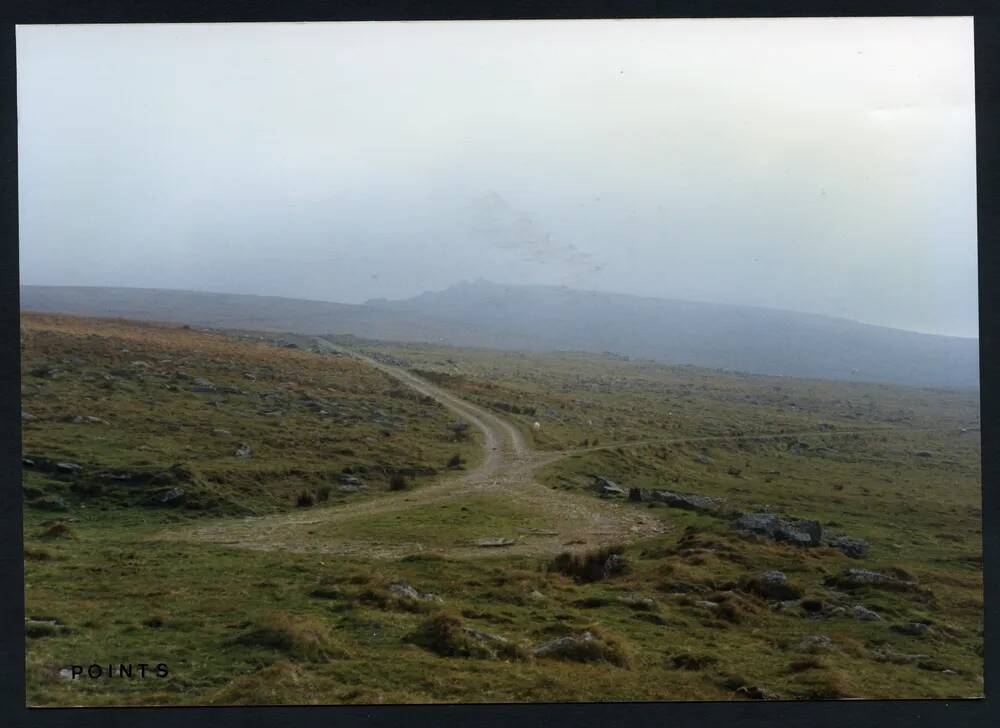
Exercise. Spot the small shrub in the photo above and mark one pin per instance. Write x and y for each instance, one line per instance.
(455, 461)
(305, 499)
(37, 555)
(323, 494)
(398, 482)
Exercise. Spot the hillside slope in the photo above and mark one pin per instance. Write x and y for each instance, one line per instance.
(542, 318)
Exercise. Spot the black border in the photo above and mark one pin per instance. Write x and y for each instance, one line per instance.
(856, 714)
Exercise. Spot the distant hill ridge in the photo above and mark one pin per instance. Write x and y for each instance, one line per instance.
(551, 318)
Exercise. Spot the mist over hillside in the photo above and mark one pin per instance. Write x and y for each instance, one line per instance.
(546, 318)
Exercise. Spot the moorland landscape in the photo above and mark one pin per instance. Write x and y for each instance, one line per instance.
(499, 362)
(285, 518)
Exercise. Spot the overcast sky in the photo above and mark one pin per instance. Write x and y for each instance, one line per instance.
(817, 165)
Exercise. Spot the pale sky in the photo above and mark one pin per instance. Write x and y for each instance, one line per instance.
(819, 165)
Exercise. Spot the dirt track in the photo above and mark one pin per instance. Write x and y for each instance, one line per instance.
(506, 471)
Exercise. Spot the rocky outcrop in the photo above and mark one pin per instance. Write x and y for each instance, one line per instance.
(856, 548)
(685, 501)
(607, 487)
(772, 585)
(857, 578)
(403, 590)
(798, 531)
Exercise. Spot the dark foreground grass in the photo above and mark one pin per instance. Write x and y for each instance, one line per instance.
(252, 627)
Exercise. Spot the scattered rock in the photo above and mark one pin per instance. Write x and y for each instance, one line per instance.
(27, 415)
(604, 486)
(773, 585)
(171, 497)
(614, 564)
(639, 603)
(348, 479)
(886, 653)
(42, 627)
(243, 451)
(854, 578)
(220, 431)
(863, 613)
(71, 468)
(482, 636)
(495, 542)
(685, 501)
(856, 548)
(912, 629)
(584, 647)
(404, 590)
(798, 531)
(751, 692)
(203, 386)
(533, 531)
(815, 643)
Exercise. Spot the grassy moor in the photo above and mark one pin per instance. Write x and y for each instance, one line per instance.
(284, 518)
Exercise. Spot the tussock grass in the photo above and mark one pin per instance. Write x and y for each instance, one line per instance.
(299, 637)
(591, 566)
(446, 635)
(591, 644)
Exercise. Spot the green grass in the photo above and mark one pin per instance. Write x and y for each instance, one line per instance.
(250, 627)
(440, 526)
(307, 418)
